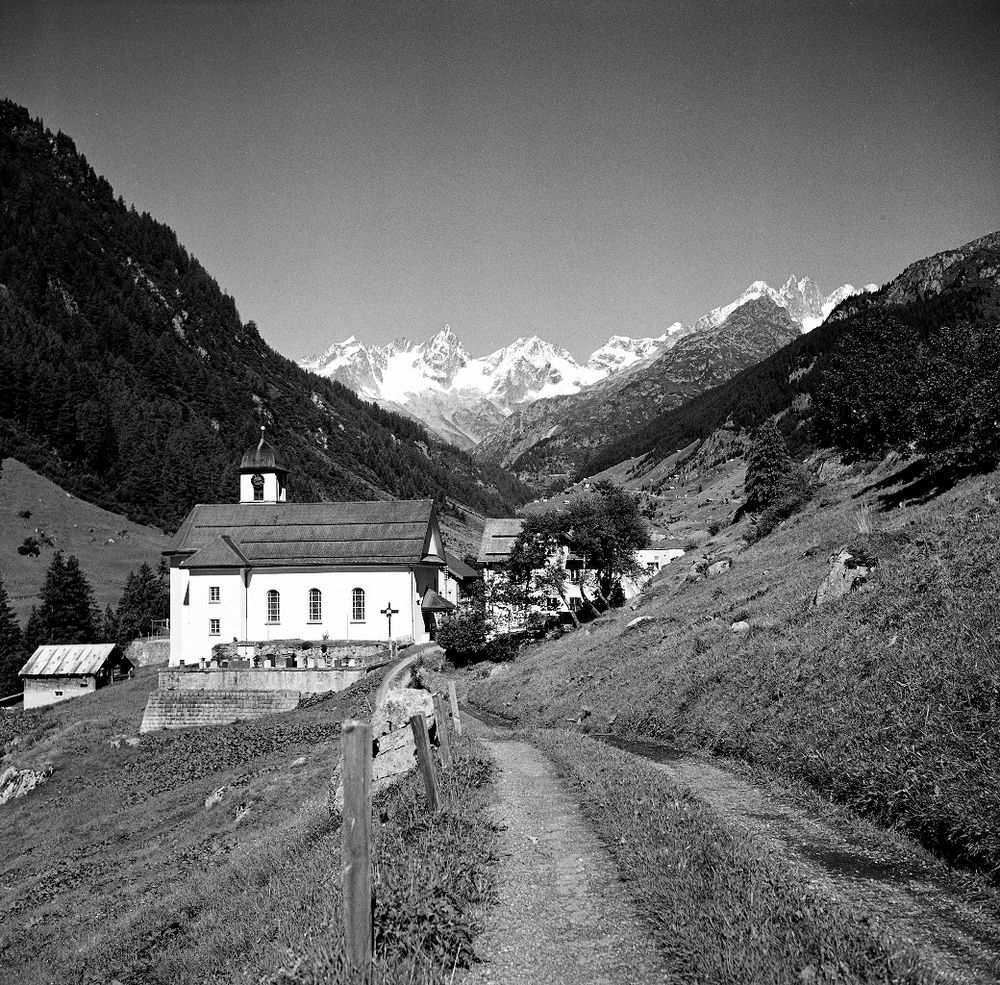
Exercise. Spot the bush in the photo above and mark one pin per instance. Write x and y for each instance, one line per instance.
(714, 526)
(29, 547)
(464, 637)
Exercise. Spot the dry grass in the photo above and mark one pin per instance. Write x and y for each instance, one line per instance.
(720, 908)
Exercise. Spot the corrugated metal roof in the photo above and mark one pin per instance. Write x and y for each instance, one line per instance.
(74, 658)
(498, 538)
(300, 534)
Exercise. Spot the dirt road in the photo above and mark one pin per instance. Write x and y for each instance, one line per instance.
(563, 915)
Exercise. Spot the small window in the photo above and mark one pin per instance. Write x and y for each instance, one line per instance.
(58, 694)
(315, 605)
(213, 627)
(258, 487)
(273, 606)
(358, 605)
(213, 593)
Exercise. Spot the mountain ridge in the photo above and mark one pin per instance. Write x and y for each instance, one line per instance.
(467, 399)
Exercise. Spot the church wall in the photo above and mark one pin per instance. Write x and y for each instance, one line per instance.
(381, 586)
(200, 610)
(179, 613)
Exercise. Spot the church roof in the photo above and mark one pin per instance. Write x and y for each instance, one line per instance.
(498, 539)
(68, 659)
(262, 456)
(310, 534)
(218, 553)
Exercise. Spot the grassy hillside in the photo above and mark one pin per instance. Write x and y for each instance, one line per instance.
(129, 378)
(212, 856)
(108, 545)
(886, 700)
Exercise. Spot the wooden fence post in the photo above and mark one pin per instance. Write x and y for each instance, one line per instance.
(356, 835)
(453, 700)
(420, 738)
(441, 717)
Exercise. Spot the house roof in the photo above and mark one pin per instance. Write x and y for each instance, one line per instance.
(432, 602)
(309, 534)
(67, 659)
(498, 538)
(459, 568)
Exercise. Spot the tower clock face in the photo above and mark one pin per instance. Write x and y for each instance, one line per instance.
(257, 481)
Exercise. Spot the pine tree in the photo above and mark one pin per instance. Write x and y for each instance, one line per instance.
(145, 598)
(67, 613)
(11, 653)
(769, 467)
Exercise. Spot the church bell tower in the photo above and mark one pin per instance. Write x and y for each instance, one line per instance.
(262, 478)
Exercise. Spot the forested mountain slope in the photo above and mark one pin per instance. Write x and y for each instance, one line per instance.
(129, 379)
(879, 374)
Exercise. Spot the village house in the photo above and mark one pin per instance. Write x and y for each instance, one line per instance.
(59, 672)
(498, 541)
(264, 569)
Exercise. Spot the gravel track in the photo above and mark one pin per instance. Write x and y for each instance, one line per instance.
(563, 915)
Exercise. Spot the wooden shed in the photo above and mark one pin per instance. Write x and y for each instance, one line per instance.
(60, 672)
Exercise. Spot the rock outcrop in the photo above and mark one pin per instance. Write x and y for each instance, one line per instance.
(846, 574)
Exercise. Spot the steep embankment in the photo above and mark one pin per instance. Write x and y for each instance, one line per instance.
(886, 700)
(129, 378)
(108, 545)
(211, 856)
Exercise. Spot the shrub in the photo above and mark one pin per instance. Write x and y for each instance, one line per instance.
(29, 547)
(464, 637)
(714, 526)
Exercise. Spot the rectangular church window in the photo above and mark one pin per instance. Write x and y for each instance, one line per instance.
(213, 593)
(213, 627)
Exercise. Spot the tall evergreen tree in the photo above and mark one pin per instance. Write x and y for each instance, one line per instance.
(67, 613)
(145, 598)
(769, 467)
(11, 652)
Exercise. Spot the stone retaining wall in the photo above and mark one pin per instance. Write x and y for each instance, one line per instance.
(298, 679)
(189, 709)
(149, 652)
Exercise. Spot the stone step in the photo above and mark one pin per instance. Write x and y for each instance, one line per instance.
(190, 709)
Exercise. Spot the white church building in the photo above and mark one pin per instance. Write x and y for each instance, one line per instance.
(265, 569)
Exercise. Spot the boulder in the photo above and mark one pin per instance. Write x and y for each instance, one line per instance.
(740, 627)
(399, 706)
(846, 574)
(719, 567)
(215, 797)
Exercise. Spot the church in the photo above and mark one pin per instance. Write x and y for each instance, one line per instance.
(264, 569)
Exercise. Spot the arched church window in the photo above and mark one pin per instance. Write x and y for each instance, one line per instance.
(257, 481)
(358, 605)
(315, 605)
(273, 606)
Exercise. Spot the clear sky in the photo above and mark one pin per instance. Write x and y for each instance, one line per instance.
(571, 170)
